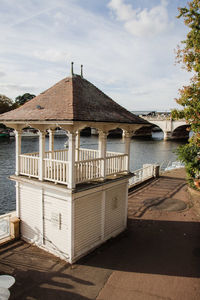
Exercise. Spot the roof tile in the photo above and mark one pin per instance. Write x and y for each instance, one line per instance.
(72, 99)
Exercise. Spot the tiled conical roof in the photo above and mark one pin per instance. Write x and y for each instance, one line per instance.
(72, 99)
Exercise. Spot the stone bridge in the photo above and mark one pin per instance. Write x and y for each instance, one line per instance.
(172, 129)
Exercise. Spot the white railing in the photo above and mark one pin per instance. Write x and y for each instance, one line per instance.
(88, 170)
(56, 170)
(142, 174)
(116, 164)
(109, 153)
(171, 165)
(29, 165)
(57, 154)
(34, 154)
(83, 154)
(5, 225)
(87, 154)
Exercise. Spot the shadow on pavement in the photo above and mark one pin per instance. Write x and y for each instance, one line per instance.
(154, 247)
(40, 275)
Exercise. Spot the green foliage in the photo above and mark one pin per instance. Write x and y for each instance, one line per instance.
(5, 104)
(20, 100)
(189, 154)
(189, 56)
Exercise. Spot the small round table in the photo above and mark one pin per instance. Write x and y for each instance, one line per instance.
(4, 293)
(6, 281)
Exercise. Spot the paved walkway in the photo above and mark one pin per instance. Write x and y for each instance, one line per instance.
(160, 256)
(157, 258)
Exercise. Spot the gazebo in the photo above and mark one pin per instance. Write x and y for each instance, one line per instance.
(69, 201)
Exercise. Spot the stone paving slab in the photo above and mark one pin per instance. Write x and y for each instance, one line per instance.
(157, 257)
(141, 286)
(160, 258)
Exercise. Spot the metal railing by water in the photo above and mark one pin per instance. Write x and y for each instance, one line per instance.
(5, 225)
(141, 175)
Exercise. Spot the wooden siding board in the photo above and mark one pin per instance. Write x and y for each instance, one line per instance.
(56, 234)
(87, 222)
(114, 210)
(30, 213)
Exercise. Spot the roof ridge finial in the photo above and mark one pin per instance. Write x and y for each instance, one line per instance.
(82, 71)
(72, 68)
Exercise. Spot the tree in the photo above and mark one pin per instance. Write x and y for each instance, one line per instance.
(20, 100)
(189, 56)
(5, 104)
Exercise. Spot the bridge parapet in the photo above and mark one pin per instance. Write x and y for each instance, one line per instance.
(161, 118)
(168, 126)
(158, 118)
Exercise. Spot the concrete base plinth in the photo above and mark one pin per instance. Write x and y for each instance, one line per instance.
(14, 227)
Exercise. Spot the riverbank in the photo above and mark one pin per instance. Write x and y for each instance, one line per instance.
(157, 257)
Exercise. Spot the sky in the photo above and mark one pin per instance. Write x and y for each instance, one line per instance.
(127, 48)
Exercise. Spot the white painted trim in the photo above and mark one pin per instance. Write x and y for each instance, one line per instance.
(41, 154)
(102, 152)
(42, 216)
(126, 206)
(71, 159)
(103, 206)
(17, 150)
(71, 231)
(17, 185)
(127, 139)
(51, 142)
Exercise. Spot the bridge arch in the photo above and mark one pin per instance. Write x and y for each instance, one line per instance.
(181, 132)
(168, 126)
(144, 131)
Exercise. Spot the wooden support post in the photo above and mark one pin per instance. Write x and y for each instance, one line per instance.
(51, 143)
(51, 139)
(77, 144)
(18, 134)
(127, 139)
(102, 152)
(71, 159)
(41, 154)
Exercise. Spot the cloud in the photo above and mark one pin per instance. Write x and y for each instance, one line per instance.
(2, 74)
(142, 23)
(52, 55)
(36, 52)
(15, 87)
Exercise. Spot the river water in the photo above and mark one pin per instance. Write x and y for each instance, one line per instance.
(143, 151)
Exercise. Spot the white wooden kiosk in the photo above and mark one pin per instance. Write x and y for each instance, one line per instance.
(69, 201)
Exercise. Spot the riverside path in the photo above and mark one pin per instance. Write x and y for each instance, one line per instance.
(156, 258)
